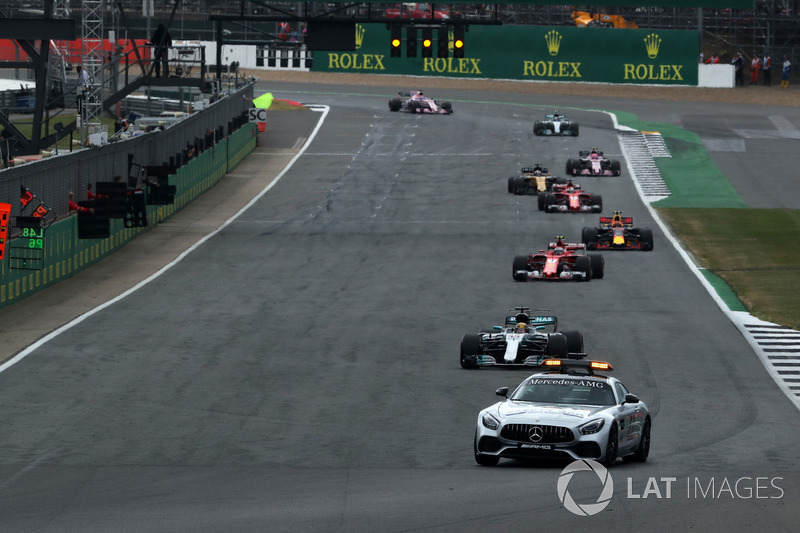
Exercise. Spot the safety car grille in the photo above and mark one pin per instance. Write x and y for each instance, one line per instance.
(536, 433)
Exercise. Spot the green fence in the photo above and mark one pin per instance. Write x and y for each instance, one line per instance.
(65, 255)
(599, 55)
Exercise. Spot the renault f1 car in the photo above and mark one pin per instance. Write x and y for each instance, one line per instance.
(570, 198)
(593, 163)
(523, 341)
(570, 412)
(617, 233)
(417, 102)
(560, 261)
(556, 124)
(532, 180)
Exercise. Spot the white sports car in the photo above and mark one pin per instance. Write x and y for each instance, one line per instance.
(570, 412)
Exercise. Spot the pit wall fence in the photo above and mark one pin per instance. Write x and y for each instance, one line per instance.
(49, 180)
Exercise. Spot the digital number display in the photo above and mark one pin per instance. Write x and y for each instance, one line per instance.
(35, 237)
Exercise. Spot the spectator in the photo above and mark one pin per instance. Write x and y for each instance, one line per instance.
(766, 68)
(738, 67)
(5, 146)
(82, 88)
(755, 67)
(162, 42)
(786, 71)
(90, 195)
(713, 60)
(75, 207)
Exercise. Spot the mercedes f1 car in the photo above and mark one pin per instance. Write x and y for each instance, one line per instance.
(556, 124)
(617, 233)
(593, 163)
(533, 180)
(416, 102)
(561, 261)
(523, 341)
(571, 412)
(570, 198)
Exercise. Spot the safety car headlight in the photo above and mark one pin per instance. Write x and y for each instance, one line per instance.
(490, 422)
(592, 426)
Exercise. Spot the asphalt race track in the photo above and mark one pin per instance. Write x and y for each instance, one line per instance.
(299, 370)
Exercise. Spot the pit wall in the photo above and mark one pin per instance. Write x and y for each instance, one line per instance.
(65, 254)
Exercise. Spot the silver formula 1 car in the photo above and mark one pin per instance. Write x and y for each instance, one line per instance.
(523, 341)
(556, 124)
(416, 102)
(570, 412)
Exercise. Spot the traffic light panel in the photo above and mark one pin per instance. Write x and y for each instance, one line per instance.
(397, 40)
(458, 41)
(444, 42)
(427, 42)
(411, 41)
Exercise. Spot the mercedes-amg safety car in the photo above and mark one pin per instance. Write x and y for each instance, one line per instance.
(533, 180)
(571, 412)
(617, 233)
(417, 102)
(560, 261)
(524, 340)
(556, 124)
(593, 163)
(570, 198)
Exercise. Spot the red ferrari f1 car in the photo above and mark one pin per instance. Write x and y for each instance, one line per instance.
(561, 261)
(593, 163)
(617, 233)
(570, 198)
(416, 102)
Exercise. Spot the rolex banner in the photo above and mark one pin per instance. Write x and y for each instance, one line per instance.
(544, 53)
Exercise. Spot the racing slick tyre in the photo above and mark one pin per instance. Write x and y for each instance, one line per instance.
(549, 199)
(557, 346)
(615, 168)
(589, 238)
(611, 448)
(520, 263)
(584, 264)
(574, 130)
(520, 185)
(574, 341)
(538, 128)
(511, 187)
(540, 200)
(573, 167)
(643, 450)
(395, 104)
(470, 345)
(483, 460)
(596, 203)
(598, 265)
(646, 236)
(448, 107)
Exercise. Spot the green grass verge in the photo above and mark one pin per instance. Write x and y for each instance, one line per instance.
(756, 252)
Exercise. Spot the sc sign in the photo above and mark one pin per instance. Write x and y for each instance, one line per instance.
(257, 114)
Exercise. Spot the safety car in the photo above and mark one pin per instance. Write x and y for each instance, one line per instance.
(524, 340)
(417, 102)
(556, 124)
(570, 410)
(617, 233)
(570, 197)
(593, 163)
(560, 261)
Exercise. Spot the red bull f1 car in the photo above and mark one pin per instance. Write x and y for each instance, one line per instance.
(556, 124)
(570, 198)
(417, 102)
(593, 163)
(560, 261)
(524, 340)
(617, 233)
